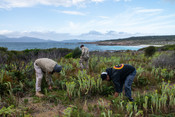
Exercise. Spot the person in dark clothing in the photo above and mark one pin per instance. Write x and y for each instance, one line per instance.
(120, 75)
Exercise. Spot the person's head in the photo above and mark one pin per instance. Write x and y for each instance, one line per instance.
(57, 68)
(105, 76)
(81, 46)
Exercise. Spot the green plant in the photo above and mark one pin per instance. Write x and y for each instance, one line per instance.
(76, 52)
(3, 49)
(70, 55)
(70, 89)
(26, 101)
(149, 51)
(9, 111)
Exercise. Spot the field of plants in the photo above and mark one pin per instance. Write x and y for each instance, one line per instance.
(82, 93)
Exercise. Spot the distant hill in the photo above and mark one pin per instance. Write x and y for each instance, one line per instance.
(22, 39)
(142, 40)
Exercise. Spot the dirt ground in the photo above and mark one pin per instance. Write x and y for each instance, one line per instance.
(42, 109)
(45, 109)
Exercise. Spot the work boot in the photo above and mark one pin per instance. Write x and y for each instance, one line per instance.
(38, 94)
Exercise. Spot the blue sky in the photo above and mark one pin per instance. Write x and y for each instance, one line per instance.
(86, 19)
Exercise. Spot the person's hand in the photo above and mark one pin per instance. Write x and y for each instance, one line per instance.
(50, 87)
(116, 94)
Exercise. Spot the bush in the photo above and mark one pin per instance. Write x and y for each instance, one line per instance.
(149, 51)
(165, 60)
(3, 49)
(76, 53)
(168, 47)
(69, 55)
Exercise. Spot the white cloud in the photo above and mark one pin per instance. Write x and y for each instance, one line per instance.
(142, 20)
(123, 0)
(131, 21)
(73, 12)
(97, 0)
(5, 32)
(29, 3)
(103, 17)
(52, 35)
(141, 10)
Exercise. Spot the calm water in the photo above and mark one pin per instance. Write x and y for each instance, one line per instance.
(46, 45)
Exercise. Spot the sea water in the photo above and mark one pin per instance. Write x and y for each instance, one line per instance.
(45, 45)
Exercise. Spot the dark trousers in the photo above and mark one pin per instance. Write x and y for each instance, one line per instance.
(127, 84)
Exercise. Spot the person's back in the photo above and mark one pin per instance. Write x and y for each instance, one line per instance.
(85, 52)
(123, 70)
(46, 64)
(120, 75)
(84, 57)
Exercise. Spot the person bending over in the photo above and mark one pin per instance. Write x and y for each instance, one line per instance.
(122, 74)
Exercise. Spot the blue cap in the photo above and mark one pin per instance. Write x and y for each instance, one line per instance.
(57, 68)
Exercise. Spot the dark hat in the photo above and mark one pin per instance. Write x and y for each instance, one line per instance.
(103, 75)
(57, 68)
(81, 46)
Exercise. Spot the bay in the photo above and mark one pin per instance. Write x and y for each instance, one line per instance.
(46, 45)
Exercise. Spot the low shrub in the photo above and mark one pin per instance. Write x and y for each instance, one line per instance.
(165, 60)
(76, 53)
(69, 55)
(3, 49)
(149, 51)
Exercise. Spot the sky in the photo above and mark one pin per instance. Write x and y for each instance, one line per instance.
(86, 19)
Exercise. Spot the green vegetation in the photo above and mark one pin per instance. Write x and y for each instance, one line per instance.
(167, 47)
(79, 93)
(149, 51)
(142, 40)
(74, 54)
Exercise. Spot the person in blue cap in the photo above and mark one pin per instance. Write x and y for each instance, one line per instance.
(122, 74)
(48, 67)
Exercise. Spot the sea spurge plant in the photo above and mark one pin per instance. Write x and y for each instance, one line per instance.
(101, 104)
(155, 100)
(106, 113)
(63, 73)
(145, 105)
(67, 112)
(12, 97)
(140, 70)
(139, 113)
(122, 105)
(76, 61)
(70, 86)
(2, 75)
(172, 98)
(88, 84)
(135, 107)
(163, 100)
(9, 111)
(129, 108)
(164, 73)
(68, 66)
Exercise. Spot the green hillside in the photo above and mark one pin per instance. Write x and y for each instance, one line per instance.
(142, 40)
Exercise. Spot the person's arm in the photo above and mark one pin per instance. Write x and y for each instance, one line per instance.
(49, 79)
(83, 52)
(117, 85)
